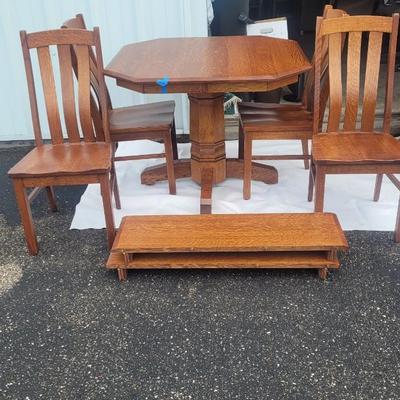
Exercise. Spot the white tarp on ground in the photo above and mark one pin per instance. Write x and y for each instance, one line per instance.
(349, 196)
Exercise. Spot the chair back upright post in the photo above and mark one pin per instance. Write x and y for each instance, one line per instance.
(102, 93)
(76, 107)
(307, 98)
(333, 31)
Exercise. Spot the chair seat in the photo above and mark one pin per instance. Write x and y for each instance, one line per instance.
(142, 118)
(64, 159)
(355, 147)
(264, 117)
(252, 107)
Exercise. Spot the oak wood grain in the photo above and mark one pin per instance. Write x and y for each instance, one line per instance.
(234, 169)
(228, 241)
(291, 259)
(353, 149)
(358, 23)
(75, 158)
(233, 60)
(205, 68)
(353, 84)
(68, 92)
(371, 81)
(222, 233)
(64, 159)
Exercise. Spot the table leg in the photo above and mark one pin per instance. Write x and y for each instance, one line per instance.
(207, 135)
(206, 191)
(259, 172)
(234, 169)
(158, 172)
(208, 164)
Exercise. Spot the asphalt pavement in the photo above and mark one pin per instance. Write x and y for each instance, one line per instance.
(70, 330)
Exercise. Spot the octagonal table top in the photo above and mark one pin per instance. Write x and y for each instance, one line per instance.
(208, 64)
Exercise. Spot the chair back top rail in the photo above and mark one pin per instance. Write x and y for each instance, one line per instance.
(344, 86)
(77, 106)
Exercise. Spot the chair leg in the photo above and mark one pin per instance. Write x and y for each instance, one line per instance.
(311, 182)
(105, 186)
(26, 216)
(174, 142)
(248, 144)
(170, 163)
(304, 145)
(323, 273)
(114, 181)
(114, 187)
(319, 190)
(122, 274)
(378, 186)
(51, 198)
(397, 229)
(241, 142)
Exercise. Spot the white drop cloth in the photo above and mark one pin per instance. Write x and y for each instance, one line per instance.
(349, 196)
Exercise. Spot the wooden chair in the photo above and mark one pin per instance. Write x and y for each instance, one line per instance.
(71, 160)
(269, 121)
(349, 147)
(153, 121)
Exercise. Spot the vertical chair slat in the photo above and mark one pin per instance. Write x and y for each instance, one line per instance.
(82, 55)
(324, 85)
(50, 95)
(94, 79)
(94, 108)
(79, 23)
(95, 97)
(371, 81)
(329, 12)
(97, 120)
(335, 81)
(353, 80)
(68, 96)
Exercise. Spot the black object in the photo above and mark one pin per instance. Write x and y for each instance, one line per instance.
(388, 7)
(226, 17)
(244, 19)
(356, 7)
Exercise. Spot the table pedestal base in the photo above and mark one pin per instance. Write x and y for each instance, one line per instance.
(234, 169)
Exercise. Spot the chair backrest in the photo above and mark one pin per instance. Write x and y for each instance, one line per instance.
(308, 93)
(78, 22)
(73, 104)
(332, 31)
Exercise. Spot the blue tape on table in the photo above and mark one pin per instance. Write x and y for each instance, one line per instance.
(163, 83)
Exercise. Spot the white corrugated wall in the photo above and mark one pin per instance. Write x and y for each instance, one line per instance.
(120, 22)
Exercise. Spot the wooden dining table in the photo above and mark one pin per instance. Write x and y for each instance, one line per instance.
(205, 68)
